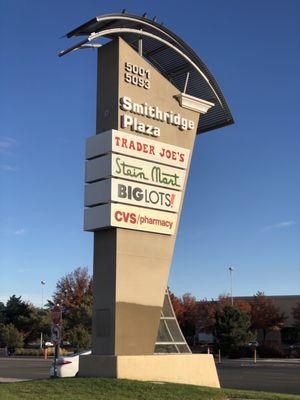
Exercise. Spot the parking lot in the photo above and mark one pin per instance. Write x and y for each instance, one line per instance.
(24, 368)
(280, 376)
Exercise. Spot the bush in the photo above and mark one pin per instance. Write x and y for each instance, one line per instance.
(80, 338)
(270, 351)
(11, 337)
(40, 352)
(240, 352)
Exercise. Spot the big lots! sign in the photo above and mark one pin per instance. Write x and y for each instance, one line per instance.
(124, 191)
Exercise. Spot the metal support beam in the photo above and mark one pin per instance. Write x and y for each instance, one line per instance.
(186, 82)
(140, 43)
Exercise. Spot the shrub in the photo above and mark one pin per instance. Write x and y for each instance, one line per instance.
(270, 351)
(40, 352)
(11, 337)
(240, 352)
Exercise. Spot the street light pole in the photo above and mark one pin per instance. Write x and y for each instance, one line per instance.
(231, 269)
(43, 283)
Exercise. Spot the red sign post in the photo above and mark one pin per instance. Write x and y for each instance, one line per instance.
(56, 315)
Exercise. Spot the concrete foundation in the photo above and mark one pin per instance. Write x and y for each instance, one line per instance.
(193, 369)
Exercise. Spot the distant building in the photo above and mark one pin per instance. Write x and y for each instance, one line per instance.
(287, 335)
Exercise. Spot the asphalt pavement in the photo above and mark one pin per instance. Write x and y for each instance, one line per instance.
(282, 376)
(24, 368)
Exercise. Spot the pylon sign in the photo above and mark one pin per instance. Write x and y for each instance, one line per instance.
(136, 172)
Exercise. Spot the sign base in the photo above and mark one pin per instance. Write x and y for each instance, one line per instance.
(192, 369)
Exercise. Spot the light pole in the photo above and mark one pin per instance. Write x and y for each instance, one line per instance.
(231, 269)
(43, 283)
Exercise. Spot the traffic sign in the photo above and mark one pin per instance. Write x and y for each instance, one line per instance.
(56, 315)
(55, 334)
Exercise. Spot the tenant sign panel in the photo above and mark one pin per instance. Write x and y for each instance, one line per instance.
(120, 166)
(136, 146)
(129, 217)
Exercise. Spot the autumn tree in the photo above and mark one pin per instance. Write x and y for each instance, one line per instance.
(186, 310)
(206, 319)
(207, 310)
(74, 292)
(177, 305)
(243, 305)
(296, 315)
(265, 315)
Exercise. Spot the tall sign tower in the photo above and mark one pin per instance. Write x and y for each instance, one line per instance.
(153, 96)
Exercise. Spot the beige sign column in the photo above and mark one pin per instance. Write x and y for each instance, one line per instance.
(131, 267)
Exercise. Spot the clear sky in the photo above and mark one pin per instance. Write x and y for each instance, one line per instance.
(242, 206)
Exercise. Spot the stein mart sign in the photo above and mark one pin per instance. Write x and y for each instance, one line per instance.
(120, 166)
(129, 217)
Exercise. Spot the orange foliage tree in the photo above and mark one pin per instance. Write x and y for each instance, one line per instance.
(296, 315)
(265, 314)
(186, 310)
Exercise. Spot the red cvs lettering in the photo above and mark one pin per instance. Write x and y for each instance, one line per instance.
(125, 217)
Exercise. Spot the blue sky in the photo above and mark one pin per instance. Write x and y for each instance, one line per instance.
(242, 206)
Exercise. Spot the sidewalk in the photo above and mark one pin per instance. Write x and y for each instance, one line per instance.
(10, 380)
(293, 361)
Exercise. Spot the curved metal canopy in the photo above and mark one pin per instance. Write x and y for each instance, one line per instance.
(169, 54)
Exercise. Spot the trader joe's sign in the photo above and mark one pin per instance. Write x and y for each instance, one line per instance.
(136, 146)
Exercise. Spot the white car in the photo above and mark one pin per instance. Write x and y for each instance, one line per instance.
(68, 366)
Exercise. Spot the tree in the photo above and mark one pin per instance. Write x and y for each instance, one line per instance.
(243, 305)
(207, 315)
(80, 338)
(186, 310)
(39, 322)
(74, 292)
(2, 313)
(296, 315)
(207, 311)
(17, 312)
(265, 315)
(23, 316)
(177, 305)
(11, 337)
(232, 328)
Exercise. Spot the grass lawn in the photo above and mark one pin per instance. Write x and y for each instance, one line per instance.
(112, 389)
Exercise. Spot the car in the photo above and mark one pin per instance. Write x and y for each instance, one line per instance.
(67, 366)
(254, 343)
(48, 344)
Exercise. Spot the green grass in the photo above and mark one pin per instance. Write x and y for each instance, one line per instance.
(112, 389)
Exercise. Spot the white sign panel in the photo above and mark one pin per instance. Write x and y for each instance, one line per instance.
(123, 191)
(136, 146)
(121, 166)
(129, 217)
(55, 334)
